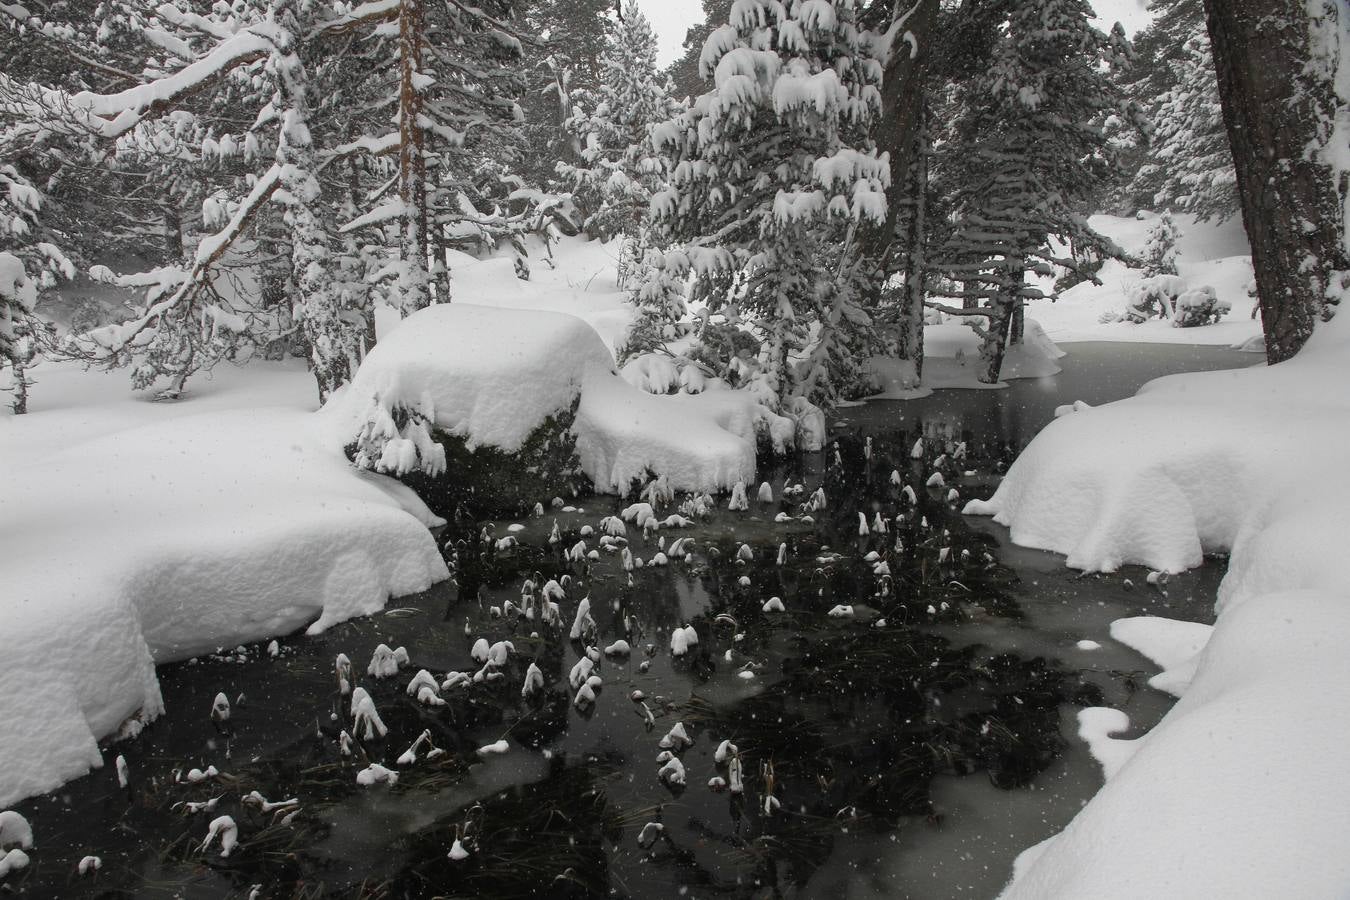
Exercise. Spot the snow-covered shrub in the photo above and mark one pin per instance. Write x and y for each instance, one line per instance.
(1153, 297)
(1201, 306)
(1160, 251)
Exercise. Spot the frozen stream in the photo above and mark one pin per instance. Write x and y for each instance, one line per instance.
(917, 746)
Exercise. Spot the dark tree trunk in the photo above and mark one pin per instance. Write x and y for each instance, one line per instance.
(909, 343)
(412, 159)
(1003, 309)
(173, 234)
(898, 134)
(21, 384)
(1019, 322)
(995, 340)
(1276, 106)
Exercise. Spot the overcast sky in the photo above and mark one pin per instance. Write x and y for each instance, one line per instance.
(670, 18)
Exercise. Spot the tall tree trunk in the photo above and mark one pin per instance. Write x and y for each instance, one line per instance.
(331, 339)
(898, 134)
(909, 345)
(173, 233)
(414, 283)
(1017, 328)
(440, 272)
(1002, 311)
(1279, 104)
(21, 385)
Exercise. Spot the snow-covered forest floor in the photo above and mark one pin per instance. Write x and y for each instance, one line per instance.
(1209, 253)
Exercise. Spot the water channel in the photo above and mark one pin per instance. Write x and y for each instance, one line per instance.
(910, 747)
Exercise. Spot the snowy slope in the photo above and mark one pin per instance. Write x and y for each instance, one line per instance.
(1238, 792)
(1207, 253)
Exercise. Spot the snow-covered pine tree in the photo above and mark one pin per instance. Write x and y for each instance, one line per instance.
(294, 72)
(333, 340)
(1028, 148)
(453, 83)
(30, 262)
(619, 171)
(19, 206)
(1160, 249)
(567, 38)
(772, 170)
(1188, 164)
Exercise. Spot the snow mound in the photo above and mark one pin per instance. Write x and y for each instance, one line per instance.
(167, 540)
(699, 442)
(1175, 646)
(492, 375)
(1238, 791)
(1190, 465)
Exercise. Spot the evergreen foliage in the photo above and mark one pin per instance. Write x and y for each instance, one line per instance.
(1028, 147)
(1187, 165)
(772, 170)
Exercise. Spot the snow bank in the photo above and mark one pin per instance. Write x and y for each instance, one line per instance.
(168, 539)
(1174, 645)
(1192, 464)
(492, 375)
(699, 442)
(1238, 792)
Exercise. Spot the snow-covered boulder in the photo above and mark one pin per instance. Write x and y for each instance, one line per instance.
(492, 376)
(488, 376)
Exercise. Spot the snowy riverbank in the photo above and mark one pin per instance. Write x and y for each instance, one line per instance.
(138, 532)
(1237, 793)
(1208, 253)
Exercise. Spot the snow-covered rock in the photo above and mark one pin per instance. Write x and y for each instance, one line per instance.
(491, 376)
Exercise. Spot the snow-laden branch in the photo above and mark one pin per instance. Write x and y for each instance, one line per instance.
(117, 114)
(898, 32)
(106, 343)
(191, 21)
(364, 14)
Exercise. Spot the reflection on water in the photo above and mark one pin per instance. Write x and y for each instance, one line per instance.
(912, 749)
(1093, 371)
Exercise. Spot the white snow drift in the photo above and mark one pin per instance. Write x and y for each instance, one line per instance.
(1238, 792)
(165, 540)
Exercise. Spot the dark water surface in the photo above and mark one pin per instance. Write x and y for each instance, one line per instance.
(911, 749)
